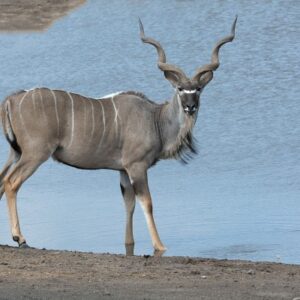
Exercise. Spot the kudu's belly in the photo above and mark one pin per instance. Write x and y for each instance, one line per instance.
(89, 159)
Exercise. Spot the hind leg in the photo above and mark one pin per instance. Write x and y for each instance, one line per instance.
(13, 157)
(22, 170)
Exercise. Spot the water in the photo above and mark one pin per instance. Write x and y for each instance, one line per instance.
(239, 198)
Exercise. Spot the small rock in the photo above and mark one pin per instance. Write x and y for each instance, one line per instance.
(251, 272)
(194, 272)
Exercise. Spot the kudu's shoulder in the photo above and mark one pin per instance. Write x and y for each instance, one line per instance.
(139, 95)
(137, 99)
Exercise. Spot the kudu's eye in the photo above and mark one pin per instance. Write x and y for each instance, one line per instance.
(199, 89)
(180, 89)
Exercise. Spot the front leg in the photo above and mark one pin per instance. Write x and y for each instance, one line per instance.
(138, 177)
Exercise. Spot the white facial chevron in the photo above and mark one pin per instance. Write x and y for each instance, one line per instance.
(194, 91)
(189, 91)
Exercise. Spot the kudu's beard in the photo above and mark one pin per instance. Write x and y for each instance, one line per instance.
(184, 146)
(186, 141)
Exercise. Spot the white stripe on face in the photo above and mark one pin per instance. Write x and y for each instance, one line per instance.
(186, 91)
(189, 91)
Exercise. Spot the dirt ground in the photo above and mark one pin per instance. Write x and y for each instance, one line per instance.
(43, 274)
(32, 15)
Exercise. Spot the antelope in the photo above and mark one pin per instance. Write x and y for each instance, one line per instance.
(124, 131)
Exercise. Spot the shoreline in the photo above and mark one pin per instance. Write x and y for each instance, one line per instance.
(35, 274)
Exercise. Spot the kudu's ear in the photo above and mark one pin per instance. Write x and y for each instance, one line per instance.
(173, 79)
(206, 78)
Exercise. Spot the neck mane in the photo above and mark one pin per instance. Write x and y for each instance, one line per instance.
(175, 129)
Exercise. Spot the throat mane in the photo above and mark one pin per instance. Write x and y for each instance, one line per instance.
(182, 147)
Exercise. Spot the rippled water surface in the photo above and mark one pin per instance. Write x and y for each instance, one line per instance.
(239, 198)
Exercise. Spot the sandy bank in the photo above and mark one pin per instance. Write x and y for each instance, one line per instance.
(43, 274)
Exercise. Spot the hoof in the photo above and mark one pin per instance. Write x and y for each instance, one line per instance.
(159, 253)
(159, 248)
(16, 238)
(23, 245)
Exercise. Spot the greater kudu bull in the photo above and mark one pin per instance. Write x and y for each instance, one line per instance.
(124, 131)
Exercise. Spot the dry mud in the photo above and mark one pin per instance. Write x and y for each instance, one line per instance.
(43, 274)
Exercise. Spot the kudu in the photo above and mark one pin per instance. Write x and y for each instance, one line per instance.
(124, 131)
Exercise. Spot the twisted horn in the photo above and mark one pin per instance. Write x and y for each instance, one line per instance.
(163, 66)
(215, 54)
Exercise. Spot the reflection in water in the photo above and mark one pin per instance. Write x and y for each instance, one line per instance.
(243, 187)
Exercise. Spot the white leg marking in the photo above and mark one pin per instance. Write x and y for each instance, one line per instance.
(103, 121)
(56, 111)
(131, 180)
(72, 120)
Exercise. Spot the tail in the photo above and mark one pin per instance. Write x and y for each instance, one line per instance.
(5, 112)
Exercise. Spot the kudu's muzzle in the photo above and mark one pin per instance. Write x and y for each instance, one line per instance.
(190, 109)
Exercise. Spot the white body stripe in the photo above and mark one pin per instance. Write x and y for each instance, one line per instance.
(32, 89)
(33, 101)
(20, 104)
(42, 104)
(84, 119)
(56, 111)
(93, 121)
(116, 113)
(20, 114)
(104, 126)
(111, 95)
(8, 127)
(72, 120)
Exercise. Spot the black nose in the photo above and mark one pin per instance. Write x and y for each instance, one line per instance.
(190, 109)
